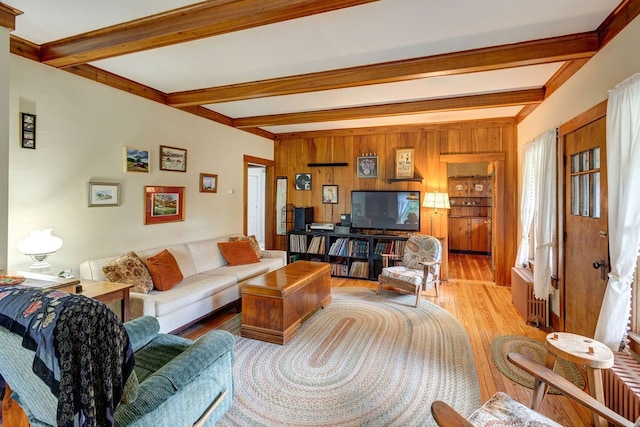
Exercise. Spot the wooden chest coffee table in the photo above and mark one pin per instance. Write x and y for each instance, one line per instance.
(275, 304)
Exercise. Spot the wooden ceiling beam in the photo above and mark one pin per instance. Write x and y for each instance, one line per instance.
(555, 49)
(489, 100)
(205, 19)
(8, 16)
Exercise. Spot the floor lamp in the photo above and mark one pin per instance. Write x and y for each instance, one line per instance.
(436, 200)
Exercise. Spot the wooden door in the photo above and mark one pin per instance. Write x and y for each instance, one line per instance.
(458, 187)
(586, 242)
(458, 234)
(480, 235)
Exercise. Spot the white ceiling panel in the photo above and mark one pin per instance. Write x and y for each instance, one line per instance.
(245, 54)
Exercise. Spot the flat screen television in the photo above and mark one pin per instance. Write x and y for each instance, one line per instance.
(385, 210)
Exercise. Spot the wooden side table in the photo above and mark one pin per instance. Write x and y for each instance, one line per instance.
(108, 292)
(581, 350)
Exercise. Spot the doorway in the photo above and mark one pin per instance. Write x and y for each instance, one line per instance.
(259, 199)
(470, 187)
(256, 179)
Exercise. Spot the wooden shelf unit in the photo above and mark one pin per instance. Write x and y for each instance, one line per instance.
(353, 255)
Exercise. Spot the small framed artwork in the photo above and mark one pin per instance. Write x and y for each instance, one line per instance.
(330, 194)
(104, 194)
(367, 167)
(208, 183)
(404, 163)
(163, 204)
(28, 125)
(135, 160)
(173, 159)
(303, 181)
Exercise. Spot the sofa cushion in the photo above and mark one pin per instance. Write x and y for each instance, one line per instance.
(164, 270)
(180, 252)
(206, 254)
(190, 290)
(129, 269)
(244, 272)
(251, 239)
(238, 253)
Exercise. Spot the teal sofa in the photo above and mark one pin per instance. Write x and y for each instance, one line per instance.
(180, 382)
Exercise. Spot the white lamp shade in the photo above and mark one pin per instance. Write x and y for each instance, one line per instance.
(40, 242)
(436, 200)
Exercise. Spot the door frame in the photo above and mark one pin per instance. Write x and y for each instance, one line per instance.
(498, 226)
(269, 197)
(594, 113)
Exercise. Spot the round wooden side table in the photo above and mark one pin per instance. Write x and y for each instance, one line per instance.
(580, 350)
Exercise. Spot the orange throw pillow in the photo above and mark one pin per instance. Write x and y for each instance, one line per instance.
(164, 270)
(238, 253)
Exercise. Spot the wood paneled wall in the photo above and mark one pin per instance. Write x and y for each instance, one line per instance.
(434, 145)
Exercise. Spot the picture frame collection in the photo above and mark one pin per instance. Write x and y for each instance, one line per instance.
(162, 204)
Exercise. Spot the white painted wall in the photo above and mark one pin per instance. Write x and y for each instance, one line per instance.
(4, 142)
(588, 87)
(81, 129)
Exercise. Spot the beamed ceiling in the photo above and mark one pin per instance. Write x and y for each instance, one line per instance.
(280, 68)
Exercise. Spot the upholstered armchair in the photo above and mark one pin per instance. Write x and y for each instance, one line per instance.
(174, 382)
(501, 409)
(419, 269)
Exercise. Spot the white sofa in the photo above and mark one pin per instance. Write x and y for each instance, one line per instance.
(208, 284)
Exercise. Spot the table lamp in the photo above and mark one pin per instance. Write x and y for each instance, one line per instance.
(38, 246)
(436, 200)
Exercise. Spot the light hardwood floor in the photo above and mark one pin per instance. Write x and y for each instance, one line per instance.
(486, 312)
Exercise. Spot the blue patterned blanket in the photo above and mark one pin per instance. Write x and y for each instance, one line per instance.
(82, 351)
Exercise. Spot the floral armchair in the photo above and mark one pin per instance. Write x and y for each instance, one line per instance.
(419, 269)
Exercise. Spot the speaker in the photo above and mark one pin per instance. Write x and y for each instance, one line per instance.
(345, 220)
(302, 217)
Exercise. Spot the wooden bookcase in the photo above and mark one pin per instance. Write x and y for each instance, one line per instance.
(353, 255)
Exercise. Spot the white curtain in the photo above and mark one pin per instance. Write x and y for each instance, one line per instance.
(545, 211)
(623, 175)
(527, 203)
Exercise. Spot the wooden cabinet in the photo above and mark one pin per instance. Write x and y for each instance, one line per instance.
(470, 234)
(470, 215)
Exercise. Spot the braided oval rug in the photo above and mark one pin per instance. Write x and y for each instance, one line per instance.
(365, 360)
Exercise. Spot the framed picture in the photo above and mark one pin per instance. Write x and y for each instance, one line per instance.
(330, 194)
(404, 163)
(208, 183)
(28, 126)
(303, 181)
(173, 159)
(104, 194)
(367, 167)
(163, 204)
(135, 160)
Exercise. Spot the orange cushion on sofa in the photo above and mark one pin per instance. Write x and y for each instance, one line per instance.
(164, 270)
(238, 253)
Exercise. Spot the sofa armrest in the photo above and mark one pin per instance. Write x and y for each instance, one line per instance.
(181, 370)
(275, 253)
(141, 331)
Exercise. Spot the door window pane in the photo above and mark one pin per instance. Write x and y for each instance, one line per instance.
(585, 183)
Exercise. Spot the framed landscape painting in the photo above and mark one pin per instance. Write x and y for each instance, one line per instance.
(163, 204)
(104, 194)
(173, 159)
(208, 183)
(135, 160)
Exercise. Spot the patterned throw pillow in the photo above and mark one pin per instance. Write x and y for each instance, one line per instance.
(252, 239)
(129, 269)
(238, 253)
(164, 270)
